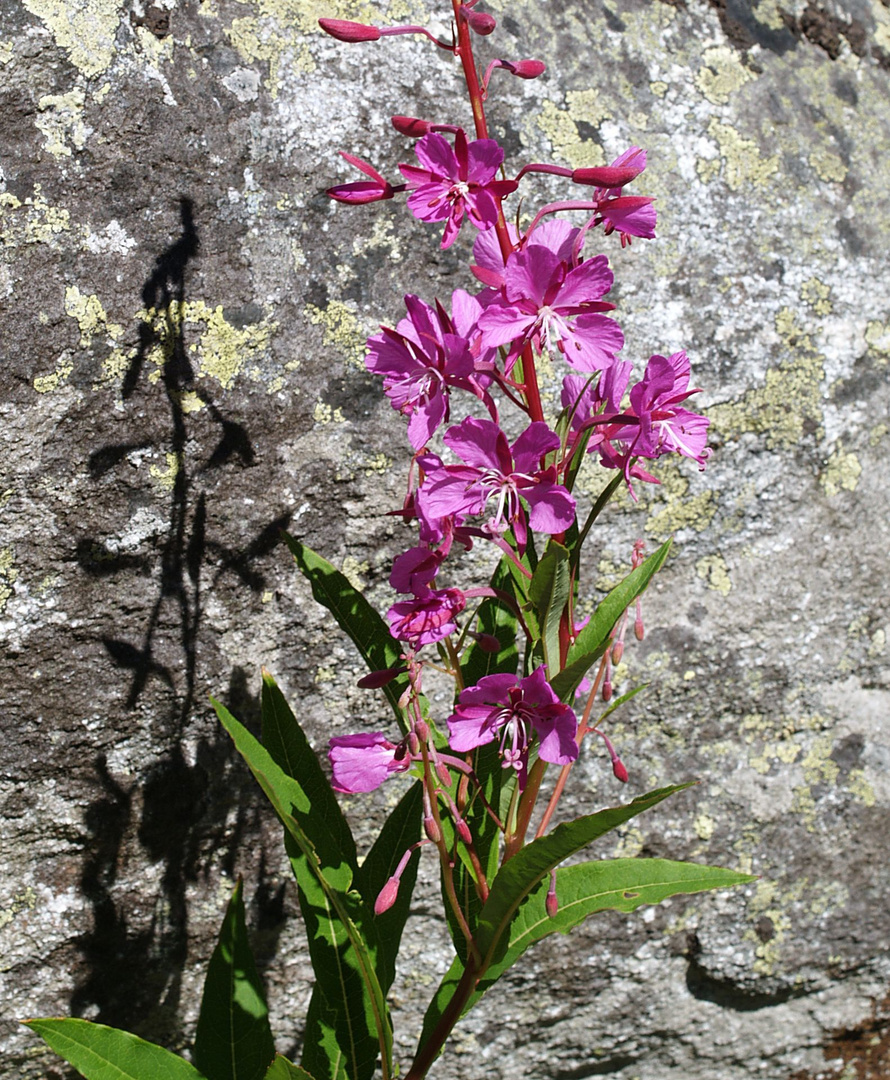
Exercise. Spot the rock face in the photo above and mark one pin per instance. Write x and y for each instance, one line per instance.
(183, 317)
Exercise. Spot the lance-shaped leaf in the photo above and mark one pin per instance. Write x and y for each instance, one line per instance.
(591, 643)
(548, 593)
(233, 1040)
(583, 890)
(339, 926)
(282, 1069)
(105, 1053)
(355, 616)
(520, 876)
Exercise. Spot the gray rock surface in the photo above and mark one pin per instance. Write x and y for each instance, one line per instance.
(182, 314)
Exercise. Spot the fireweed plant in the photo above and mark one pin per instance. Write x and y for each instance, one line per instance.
(532, 680)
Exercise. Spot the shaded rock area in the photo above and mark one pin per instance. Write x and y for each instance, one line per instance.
(182, 318)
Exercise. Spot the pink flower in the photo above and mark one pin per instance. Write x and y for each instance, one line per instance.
(494, 480)
(630, 215)
(515, 710)
(546, 301)
(456, 183)
(427, 618)
(362, 762)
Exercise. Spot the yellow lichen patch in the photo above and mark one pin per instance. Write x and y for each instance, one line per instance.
(743, 164)
(44, 384)
(860, 788)
(630, 844)
(828, 166)
(713, 570)
(769, 13)
(816, 293)
(165, 478)
(91, 317)
(877, 337)
(224, 349)
(704, 825)
(790, 396)
(324, 414)
(353, 571)
(23, 901)
(695, 513)
(378, 465)
(84, 28)
(841, 473)
(659, 88)
(560, 127)
(721, 74)
(8, 574)
(878, 644)
(61, 121)
(32, 221)
(6, 52)
(342, 330)
(882, 25)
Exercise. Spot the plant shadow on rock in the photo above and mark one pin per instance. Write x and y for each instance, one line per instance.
(132, 977)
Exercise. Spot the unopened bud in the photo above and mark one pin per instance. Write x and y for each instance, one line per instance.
(607, 689)
(387, 896)
(551, 904)
(375, 679)
(411, 126)
(618, 770)
(488, 643)
(413, 744)
(527, 69)
(639, 630)
(463, 830)
(443, 774)
(422, 730)
(480, 22)
(605, 176)
(617, 652)
(344, 30)
(432, 830)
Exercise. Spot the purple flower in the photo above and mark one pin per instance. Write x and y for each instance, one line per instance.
(551, 304)
(629, 215)
(362, 762)
(427, 618)
(494, 479)
(515, 711)
(414, 569)
(457, 182)
(420, 361)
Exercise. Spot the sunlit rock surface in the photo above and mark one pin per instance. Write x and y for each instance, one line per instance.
(182, 318)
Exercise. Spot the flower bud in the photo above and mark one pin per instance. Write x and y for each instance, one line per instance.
(606, 176)
(551, 903)
(480, 22)
(607, 689)
(618, 770)
(443, 774)
(463, 830)
(488, 643)
(375, 679)
(387, 896)
(344, 30)
(432, 830)
(527, 69)
(617, 652)
(411, 126)
(422, 730)
(639, 630)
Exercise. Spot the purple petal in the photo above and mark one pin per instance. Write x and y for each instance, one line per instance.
(484, 158)
(532, 444)
(362, 762)
(556, 727)
(470, 726)
(435, 153)
(592, 342)
(589, 281)
(503, 322)
(480, 443)
(530, 273)
(551, 508)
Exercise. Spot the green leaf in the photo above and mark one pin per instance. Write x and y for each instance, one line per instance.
(105, 1053)
(591, 643)
(519, 876)
(233, 1039)
(355, 616)
(400, 830)
(583, 890)
(348, 1022)
(548, 593)
(282, 1069)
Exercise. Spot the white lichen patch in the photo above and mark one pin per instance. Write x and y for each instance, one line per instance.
(60, 119)
(112, 240)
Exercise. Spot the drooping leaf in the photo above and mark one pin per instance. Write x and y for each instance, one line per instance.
(350, 1013)
(355, 616)
(400, 830)
(548, 593)
(520, 876)
(583, 890)
(106, 1053)
(591, 643)
(233, 1040)
(282, 1069)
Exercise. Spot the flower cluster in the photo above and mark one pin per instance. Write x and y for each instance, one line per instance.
(541, 292)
